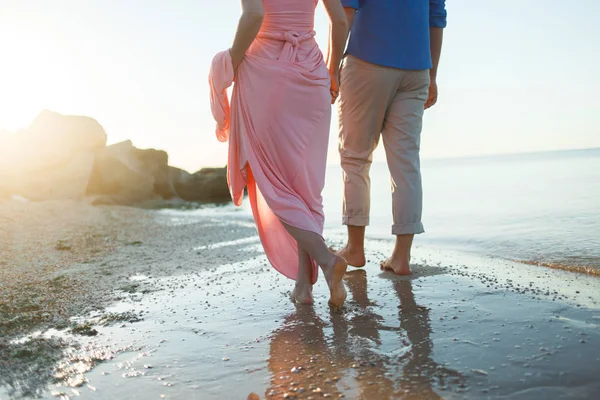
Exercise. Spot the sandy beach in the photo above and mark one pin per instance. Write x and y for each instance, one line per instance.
(152, 152)
(128, 303)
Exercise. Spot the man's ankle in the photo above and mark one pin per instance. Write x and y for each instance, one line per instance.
(355, 248)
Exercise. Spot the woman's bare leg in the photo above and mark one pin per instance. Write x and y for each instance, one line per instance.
(333, 266)
(302, 292)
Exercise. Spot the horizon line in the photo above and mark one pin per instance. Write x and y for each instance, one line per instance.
(466, 157)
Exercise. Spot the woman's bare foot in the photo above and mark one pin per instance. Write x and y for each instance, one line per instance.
(354, 258)
(398, 265)
(302, 293)
(334, 275)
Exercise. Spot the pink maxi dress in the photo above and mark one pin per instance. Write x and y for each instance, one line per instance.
(277, 127)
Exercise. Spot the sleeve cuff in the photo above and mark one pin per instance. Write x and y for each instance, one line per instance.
(437, 22)
(437, 13)
(350, 3)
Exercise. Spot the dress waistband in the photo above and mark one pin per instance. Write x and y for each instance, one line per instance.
(292, 41)
(291, 37)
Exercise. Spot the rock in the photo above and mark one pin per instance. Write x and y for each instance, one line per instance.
(120, 177)
(206, 185)
(214, 182)
(54, 139)
(53, 158)
(124, 174)
(156, 162)
(179, 180)
(67, 181)
(64, 157)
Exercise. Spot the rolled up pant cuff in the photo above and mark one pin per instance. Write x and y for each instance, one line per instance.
(355, 220)
(408, 229)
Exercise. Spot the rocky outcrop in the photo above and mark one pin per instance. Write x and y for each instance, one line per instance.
(66, 157)
(123, 174)
(119, 175)
(206, 185)
(179, 180)
(156, 162)
(67, 181)
(54, 139)
(53, 158)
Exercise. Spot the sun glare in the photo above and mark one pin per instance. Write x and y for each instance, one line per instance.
(34, 75)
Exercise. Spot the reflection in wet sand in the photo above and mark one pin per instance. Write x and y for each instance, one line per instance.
(310, 356)
(420, 372)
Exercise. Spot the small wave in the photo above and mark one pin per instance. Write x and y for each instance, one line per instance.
(580, 269)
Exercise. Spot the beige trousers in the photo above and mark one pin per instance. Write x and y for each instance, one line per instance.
(389, 102)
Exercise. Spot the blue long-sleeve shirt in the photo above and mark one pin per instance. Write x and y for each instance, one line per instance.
(395, 33)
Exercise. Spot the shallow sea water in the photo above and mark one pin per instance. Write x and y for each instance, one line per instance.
(541, 208)
(451, 331)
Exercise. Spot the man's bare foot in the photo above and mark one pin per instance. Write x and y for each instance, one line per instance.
(399, 262)
(334, 276)
(397, 266)
(302, 294)
(354, 258)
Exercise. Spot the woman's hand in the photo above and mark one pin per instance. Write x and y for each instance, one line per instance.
(236, 64)
(335, 86)
(338, 33)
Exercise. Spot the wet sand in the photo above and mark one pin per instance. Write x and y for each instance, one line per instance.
(186, 307)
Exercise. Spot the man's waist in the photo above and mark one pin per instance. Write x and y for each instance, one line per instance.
(403, 59)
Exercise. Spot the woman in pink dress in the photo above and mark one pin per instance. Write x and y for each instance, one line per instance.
(278, 131)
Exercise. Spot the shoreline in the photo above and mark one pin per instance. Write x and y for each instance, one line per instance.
(190, 305)
(337, 234)
(587, 270)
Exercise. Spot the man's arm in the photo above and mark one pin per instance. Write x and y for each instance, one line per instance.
(436, 37)
(437, 23)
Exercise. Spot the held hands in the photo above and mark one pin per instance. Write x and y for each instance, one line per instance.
(335, 86)
(433, 94)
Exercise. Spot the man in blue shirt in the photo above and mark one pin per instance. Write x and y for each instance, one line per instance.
(388, 79)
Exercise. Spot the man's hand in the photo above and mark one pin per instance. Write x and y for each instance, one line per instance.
(433, 94)
(437, 37)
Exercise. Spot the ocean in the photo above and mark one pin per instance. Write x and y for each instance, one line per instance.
(539, 208)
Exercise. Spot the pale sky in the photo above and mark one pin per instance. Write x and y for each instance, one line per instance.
(516, 75)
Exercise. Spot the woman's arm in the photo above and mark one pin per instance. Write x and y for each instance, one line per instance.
(338, 36)
(350, 13)
(248, 27)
